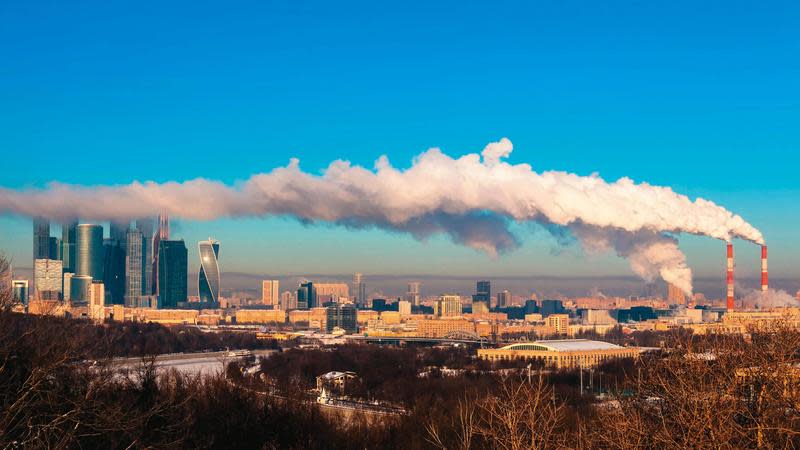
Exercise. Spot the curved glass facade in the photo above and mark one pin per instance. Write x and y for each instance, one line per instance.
(208, 278)
(89, 251)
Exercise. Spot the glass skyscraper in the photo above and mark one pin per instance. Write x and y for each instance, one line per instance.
(89, 251)
(114, 265)
(146, 226)
(208, 278)
(133, 267)
(68, 239)
(41, 238)
(162, 234)
(306, 296)
(483, 292)
(173, 260)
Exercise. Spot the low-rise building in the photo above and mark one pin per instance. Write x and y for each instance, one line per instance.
(566, 353)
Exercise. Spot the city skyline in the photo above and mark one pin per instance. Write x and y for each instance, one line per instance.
(662, 118)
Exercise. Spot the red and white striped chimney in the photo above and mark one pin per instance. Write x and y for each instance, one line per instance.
(764, 274)
(729, 302)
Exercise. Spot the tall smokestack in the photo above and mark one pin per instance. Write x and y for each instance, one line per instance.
(764, 274)
(729, 302)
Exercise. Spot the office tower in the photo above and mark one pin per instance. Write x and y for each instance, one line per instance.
(41, 239)
(269, 293)
(675, 296)
(173, 257)
(404, 307)
(288, 301)
(79, 288)
(341, 316)
(54, 248)
(146, 227)
(68, 239)
(67, 294)
(306, 296)
(360, 289)
(483, 292)
(162, 234)
(503, 299)
(531, 307)
(89, 251)
(114, 263)
(412, 294)
(133, 267)
(551, 307)
(331, 292)
(47, 280)
(97, 294)
(447, 306)
(208, 279)
(20, 290)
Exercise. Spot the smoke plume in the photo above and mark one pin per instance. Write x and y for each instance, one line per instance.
(473, 198)
(756, 299)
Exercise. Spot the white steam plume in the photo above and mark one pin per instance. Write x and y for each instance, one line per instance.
(756, 299)
(472, 198)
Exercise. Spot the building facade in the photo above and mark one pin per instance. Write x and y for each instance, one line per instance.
(269, 293)
(447, 306)
(360, 289)
(41, 239)
(173, 257)
(48, 278)
(133, 268)
(208, 279)
(567, 353)
(89, 251)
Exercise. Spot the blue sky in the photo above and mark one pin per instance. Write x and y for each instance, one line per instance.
(703, 98)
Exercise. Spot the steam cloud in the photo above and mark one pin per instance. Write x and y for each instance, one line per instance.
(474, 199)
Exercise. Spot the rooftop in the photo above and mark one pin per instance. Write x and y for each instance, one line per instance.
(563, 345)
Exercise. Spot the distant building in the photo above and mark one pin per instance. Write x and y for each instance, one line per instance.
(288, 301)
(558, 323)
(675, 296)
(404, 307)
(173, 263)
(89, 251)
(269, 293)
(20, 290)
(335, 382)
(531, 307)
(306, 296)
(208, 280)
(41, 239)
(55, 248)
(68, 239)
(67, 287)
(503, 299)
(97, 294)
(332, 291)
(79, 288)
(47, 279)
(483, 292)
(342, 316)
(133, 267)
(162, 234)
(447, 306)
(413, 293)
(146, 226)
(114, 265)
(551, 307)
(360, 289)
(567, 353)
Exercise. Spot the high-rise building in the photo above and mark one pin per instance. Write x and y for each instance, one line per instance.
(97, 294)
(67, 294)
(341, 316)
(47, 278)
(41, 239)
(413, 293)
(288, 301)
(20, 291)
(208, 280)
(503, 299)
(404, 307)
(675, 295)
(306, 296)
(146, 226)
(89, 251)
(551, 307)
(173, 258)
(269, 293)
(162, 234)
(447, 306)
(68, 240)
(114, 263)
(483, 292)
(79, 288)
(360, 289)
(327, 292)
(55, 248)
(133, 267)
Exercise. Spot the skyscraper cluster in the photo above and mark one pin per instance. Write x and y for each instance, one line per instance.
(130, 267)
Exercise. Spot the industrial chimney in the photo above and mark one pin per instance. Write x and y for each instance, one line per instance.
(729, 302)
(764, 274)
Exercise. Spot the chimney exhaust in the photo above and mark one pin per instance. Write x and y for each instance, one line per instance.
(729, 298)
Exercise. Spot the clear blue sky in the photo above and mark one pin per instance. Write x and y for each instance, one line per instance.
(701, 96)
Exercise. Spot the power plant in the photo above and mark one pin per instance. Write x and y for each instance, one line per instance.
(764, 275)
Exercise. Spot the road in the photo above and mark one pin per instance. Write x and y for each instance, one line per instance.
(192, 363)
